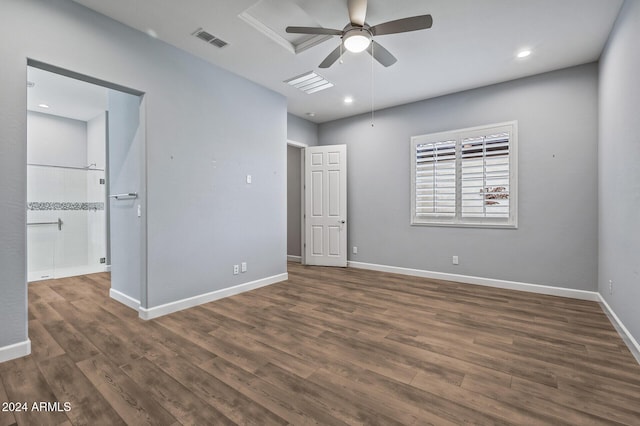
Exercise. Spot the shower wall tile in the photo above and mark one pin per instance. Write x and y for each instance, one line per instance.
(78, 199)
(62, 206)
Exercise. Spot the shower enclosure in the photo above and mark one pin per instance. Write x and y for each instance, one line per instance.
(66, 221)
(66, 161)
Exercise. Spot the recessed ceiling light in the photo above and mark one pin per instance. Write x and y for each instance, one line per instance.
(43, 106)
(309, 82)
(311, 114)
(151, 33)
(348, 100)
(524, 53)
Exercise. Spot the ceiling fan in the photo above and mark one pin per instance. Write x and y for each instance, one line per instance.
(357, 35)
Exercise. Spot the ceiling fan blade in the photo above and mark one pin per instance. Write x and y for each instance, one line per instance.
(313, 30)
(357, 11)
(333, 56)
(381, 54)
(404, 25)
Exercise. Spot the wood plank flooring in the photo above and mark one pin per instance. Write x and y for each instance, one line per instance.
(329, 346)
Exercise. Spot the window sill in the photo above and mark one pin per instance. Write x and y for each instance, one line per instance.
(467, 225)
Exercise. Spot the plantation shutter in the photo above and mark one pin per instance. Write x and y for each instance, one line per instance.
(465, 177)
(435, 179)
(485, 189)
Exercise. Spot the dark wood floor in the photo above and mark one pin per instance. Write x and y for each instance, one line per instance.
(328, 346)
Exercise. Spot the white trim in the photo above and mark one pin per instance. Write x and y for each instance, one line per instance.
(124, 299)
(627, 337)
(302, 147)
(107, 268)
(291, 258)
(297, 144)
(190, 302)
(303, 206)
(17, 350)
(258, 25)
(488, 282)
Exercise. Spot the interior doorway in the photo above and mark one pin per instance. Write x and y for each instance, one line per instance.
(317, 204)
(325, 206)
(295, 200)
(86, 193)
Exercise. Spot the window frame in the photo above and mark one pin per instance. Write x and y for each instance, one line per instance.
(458, 135)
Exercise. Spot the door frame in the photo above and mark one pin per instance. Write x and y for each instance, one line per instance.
(326, 258)
(302, 146)
(143, 184)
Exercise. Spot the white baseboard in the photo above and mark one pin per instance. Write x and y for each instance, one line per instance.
(14, 351)
(292, 258)
(627, 337)
(124, 299)
(488, 282)
(190, 302)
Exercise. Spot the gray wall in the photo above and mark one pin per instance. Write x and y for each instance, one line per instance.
(206, 129)
(556, 241)
(301, 130)
(304, 131)
(619, 169)
(125, 149)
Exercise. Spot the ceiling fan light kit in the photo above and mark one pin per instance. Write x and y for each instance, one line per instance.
(356, 40)
(357, 35)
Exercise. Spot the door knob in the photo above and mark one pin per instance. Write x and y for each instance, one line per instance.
(343, 221)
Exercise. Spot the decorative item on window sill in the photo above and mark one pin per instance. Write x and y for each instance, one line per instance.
(494, 193)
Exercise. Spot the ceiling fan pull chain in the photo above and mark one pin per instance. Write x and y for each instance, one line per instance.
(372, 85)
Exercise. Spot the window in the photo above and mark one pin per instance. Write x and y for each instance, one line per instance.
(465, 177)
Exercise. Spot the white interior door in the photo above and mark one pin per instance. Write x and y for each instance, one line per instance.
(326, 205)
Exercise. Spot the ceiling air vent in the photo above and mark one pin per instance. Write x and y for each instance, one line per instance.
(309, 82)
(209, 38)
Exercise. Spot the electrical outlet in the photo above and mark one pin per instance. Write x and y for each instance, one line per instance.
(455, 260)
(610, 286)
(243, 267)
(355, 250)
(236, 269)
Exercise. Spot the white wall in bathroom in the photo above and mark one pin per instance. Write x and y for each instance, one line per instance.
(96, 143)
(56, 140)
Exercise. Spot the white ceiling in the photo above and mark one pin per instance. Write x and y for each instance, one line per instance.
(473, 43)
(65, 97)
